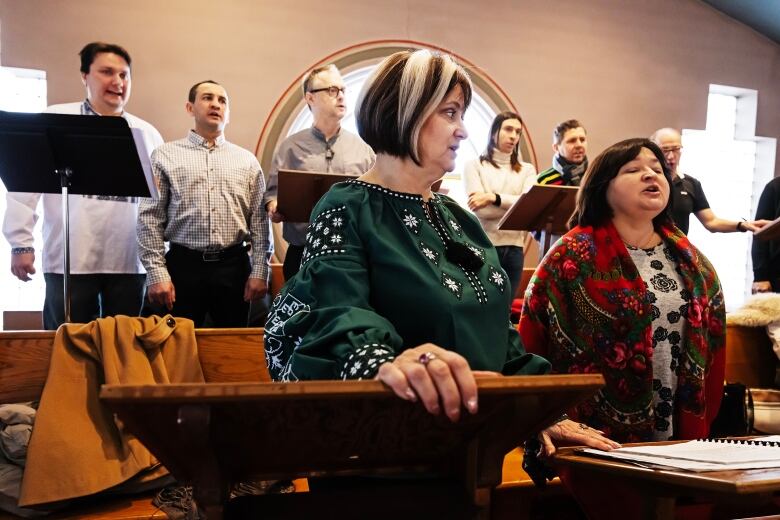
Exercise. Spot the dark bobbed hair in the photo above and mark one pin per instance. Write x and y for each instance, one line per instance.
(495, 128)
(91, 50)
(592, 208)
(560, 130)
(401, 94)
(194, 89)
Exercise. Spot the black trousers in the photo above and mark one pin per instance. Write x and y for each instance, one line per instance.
(213, 288)
(292, 261)
(92, 296)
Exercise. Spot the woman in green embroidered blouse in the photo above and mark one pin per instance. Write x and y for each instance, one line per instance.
(398, 283)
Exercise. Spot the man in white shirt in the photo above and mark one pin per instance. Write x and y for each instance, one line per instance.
(107, 277)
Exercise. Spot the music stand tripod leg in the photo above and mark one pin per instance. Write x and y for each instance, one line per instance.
(546, 240)
(65, 174)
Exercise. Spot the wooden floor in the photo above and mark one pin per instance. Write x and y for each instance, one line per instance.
(136, 508)
(512, 499)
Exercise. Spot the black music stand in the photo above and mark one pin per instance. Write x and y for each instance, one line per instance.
(542, 208)
(71, 154)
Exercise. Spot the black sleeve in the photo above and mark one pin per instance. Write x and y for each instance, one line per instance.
(760, 251)
(699, 198)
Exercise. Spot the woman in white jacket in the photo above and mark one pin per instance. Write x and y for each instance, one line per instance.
(493, 183)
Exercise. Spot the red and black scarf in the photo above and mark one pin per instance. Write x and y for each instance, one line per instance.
(586, 310)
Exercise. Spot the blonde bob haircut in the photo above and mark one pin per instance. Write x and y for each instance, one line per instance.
(401, 95)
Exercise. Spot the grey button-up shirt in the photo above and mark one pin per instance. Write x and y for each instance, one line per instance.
(210, 199)
(306, 151)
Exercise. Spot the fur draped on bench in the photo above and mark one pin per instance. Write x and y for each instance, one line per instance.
(760, 310)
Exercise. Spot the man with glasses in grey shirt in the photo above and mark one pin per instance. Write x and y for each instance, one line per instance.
(325, 147)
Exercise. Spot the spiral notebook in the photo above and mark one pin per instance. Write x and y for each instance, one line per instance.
(702, 455)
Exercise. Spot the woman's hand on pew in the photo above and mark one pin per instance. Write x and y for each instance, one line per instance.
(439, 378)
(569, 432)
(761, 287)
(486, 373)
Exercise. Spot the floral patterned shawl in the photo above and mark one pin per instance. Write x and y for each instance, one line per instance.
(586, 310)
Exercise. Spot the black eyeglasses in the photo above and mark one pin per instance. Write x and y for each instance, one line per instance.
(332, 91)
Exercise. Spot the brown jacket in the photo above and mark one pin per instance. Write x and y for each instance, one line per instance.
(77, 448)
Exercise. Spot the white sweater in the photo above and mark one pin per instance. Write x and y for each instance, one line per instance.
(509, 184)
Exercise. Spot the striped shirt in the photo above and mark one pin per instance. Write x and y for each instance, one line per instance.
(210, 199)
(550, 176)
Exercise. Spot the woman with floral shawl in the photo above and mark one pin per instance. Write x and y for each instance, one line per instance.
(626, 294)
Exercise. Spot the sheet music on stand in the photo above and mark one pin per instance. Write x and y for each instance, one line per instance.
(769, 232)
(299, 191)
(702, 455)
(68, 154)
(544, 208)
(144, 156)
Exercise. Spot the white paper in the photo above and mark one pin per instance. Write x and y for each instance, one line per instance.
(146, 163)
(699, 455)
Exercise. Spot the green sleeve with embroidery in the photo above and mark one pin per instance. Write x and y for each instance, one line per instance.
(322, 325)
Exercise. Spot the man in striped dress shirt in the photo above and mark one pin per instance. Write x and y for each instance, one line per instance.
(210, 211)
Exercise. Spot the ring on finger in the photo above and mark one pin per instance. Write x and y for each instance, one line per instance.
(583, 426)
(426, 357)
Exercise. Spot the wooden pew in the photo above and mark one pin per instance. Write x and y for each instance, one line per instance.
(525, 278)
(327, 428)
(22, 320)
(226, 355)
(277, 279)
(750, 359)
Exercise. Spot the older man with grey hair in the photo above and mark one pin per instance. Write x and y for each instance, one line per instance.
(688, 196)
(325, 147)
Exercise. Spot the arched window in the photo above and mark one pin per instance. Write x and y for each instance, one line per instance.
(356, 63)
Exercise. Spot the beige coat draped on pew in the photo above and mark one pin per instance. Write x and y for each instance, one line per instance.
(77, 448)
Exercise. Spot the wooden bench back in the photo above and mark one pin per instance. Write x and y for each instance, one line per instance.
(525, 279)
(226, 355)
(236, 355)
(750, 359)
(22, 320)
